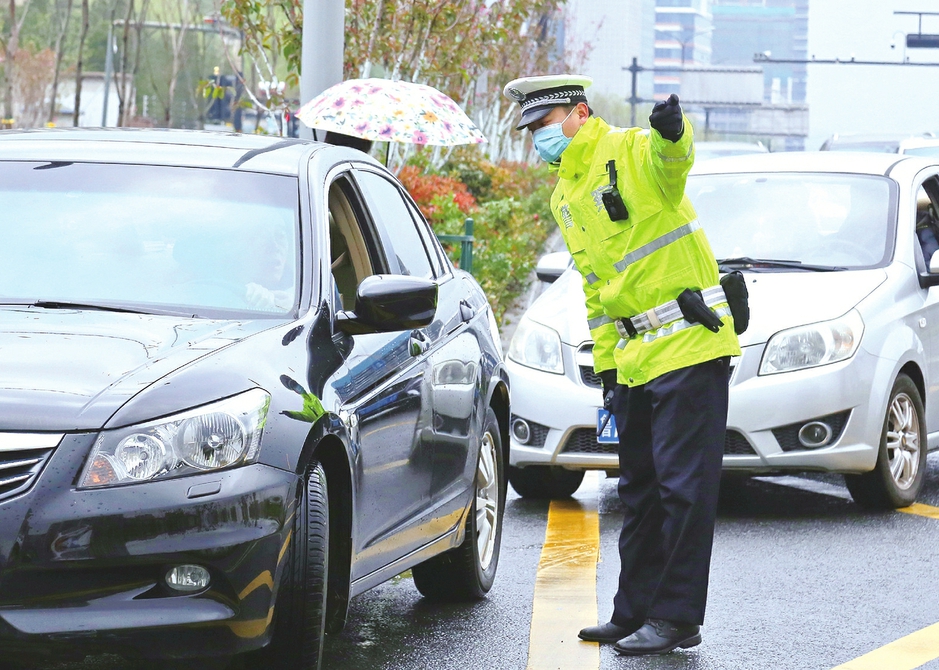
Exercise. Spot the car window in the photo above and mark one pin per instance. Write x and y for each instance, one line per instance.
(438, 256)
(387, 204)
(930, 150)
(355, 252)
(172, 238)
(927, 218)
(819, 219)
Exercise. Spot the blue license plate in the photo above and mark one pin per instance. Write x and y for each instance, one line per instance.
(609, 434)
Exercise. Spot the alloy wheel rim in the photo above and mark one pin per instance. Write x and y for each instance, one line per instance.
(487, 501)
(903, 441)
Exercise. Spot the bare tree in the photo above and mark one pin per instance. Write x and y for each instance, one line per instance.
(174, 36)
(58, 48)
(11, 46)
(78, 66)
(130, 57)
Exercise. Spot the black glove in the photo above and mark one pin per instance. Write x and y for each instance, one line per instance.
(608, 380)
(666, 118)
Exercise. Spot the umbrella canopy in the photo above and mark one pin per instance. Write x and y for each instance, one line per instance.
(390, 111)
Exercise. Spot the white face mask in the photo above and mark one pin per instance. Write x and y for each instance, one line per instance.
(550, 141)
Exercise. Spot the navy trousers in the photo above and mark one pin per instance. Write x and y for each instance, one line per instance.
(671, 443)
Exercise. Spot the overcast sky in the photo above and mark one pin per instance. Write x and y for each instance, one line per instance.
(860, 98)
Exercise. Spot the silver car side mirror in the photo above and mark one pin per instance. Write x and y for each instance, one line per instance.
(551, 266)
(934, 263)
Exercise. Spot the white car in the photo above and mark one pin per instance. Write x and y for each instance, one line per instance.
(840, 364)
(926, 144)
(707, 150)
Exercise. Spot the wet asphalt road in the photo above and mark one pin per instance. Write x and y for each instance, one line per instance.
(800, 580)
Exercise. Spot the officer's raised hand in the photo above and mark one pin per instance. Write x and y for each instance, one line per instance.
(666, 118)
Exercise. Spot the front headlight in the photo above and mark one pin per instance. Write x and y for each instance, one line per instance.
(814, 345)
(537, 346)
(220, 435)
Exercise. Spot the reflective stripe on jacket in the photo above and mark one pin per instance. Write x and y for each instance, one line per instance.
(634, 265)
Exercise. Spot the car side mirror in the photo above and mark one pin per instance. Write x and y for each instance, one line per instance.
(934, 264)
(385, 303)
(551, 266)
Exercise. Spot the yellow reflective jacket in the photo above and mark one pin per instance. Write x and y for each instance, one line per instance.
(632, 266)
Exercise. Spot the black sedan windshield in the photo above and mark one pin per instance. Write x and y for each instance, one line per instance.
(822, 220)
(168, 237)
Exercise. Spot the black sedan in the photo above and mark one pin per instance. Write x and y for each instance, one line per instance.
(240, 383)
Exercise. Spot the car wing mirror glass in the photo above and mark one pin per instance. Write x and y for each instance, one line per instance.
(934, 263)
(551, 266)
(385, 303)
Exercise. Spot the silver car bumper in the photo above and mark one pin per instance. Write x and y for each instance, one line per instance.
(763, 422)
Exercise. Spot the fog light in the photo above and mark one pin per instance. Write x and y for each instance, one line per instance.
(187, 578)
(521, 431)
(815, 434)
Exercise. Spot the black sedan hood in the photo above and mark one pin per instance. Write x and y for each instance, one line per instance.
(66, 370)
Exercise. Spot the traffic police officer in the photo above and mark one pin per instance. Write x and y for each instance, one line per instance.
(663, 337)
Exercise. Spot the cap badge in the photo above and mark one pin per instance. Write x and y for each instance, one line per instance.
(516, 94)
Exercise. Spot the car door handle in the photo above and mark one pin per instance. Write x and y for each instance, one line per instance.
(466, 311)
(418, 343)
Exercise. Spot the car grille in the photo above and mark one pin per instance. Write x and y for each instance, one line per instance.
(788, 436)
(22, 457)
(736, 444)
(589, 377)
(584, 441)
(539, 433)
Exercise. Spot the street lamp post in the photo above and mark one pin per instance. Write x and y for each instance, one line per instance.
(322, 47)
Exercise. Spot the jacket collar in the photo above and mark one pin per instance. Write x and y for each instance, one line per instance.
(575, 161)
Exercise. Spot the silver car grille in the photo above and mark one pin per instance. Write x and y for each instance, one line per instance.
(584, 441)
(22, 457)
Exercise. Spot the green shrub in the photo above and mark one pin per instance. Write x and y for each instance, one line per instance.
(512, 217)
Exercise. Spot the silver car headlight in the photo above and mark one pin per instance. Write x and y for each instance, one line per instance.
(220, 435)
(813, 345)
(537, 346)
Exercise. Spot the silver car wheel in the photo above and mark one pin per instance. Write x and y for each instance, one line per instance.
(903, 441)
(487, 500)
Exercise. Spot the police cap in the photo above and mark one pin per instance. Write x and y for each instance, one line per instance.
(539, 95)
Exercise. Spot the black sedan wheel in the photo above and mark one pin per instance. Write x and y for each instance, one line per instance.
(467, 572)
(897, 478)
(299, 617)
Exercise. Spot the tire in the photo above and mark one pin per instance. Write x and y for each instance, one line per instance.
(468, 571)
(545, 481)
(898, 476)
(300, 610)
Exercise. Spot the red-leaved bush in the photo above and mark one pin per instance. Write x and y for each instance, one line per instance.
(425, 188)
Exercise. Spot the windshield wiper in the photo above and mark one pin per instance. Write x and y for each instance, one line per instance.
(747, 262)
(64, 304)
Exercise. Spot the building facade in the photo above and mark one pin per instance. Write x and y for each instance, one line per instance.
(683, 34)
(601, 38)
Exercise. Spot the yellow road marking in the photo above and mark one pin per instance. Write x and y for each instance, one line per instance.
(906, 653)
(921, 510)
(566, 589)
(911, 651)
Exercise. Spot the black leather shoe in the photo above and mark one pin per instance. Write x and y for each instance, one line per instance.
(608, 632)
(658, 636)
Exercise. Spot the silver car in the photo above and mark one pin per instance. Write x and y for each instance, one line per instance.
(840, 364)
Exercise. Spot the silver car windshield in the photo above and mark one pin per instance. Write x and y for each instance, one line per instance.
(148, 238)
(822, 220)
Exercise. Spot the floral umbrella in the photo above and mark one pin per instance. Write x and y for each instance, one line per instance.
(390, 111)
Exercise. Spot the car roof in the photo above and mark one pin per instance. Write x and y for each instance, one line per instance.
(147, 146)
(844, 162)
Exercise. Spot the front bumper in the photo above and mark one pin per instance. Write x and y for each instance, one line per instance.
(760, 407)
(82, 571)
